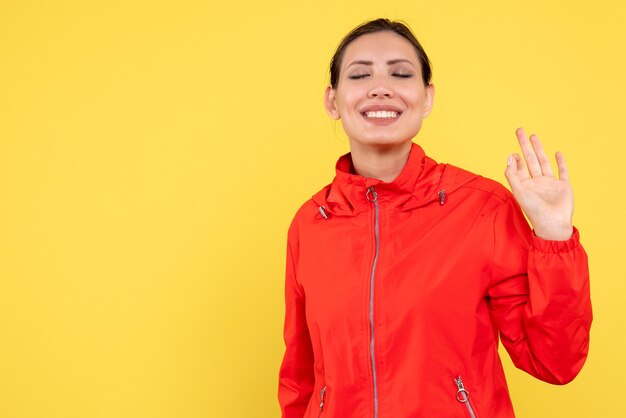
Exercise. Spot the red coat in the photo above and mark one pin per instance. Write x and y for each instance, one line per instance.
(396, 294)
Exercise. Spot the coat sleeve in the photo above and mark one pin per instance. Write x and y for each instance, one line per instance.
(296, 378)
(539, 298)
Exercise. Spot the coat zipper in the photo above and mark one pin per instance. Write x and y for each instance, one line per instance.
(322, 395)
(372, 196)
(462, 395)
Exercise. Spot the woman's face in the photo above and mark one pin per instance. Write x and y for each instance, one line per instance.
(380, 96)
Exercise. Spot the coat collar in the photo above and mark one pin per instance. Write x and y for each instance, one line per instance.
(420, 182)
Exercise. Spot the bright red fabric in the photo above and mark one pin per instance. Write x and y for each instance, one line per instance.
(450, 279)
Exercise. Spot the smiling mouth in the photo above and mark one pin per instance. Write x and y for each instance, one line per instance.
(381, 114)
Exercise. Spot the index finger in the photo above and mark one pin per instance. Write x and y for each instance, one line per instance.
(534, 168)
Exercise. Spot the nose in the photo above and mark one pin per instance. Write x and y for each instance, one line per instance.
(380, 88)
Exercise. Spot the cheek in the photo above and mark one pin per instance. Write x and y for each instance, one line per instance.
(413, 95)
(417, 100)
(349, 101)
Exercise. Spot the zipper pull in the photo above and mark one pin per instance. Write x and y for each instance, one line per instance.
(371, 194)
(442, 196)
(462, 395)
(322, 393)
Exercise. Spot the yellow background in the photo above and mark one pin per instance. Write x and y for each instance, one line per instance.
(152, 154)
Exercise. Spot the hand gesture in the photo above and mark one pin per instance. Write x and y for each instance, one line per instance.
(548, 202)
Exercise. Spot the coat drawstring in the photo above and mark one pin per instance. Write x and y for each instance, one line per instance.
(442, 197)
(322, 210)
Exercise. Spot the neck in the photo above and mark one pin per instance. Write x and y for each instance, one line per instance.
(380, 162)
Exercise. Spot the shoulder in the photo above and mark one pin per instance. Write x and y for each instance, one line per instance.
(308, 212)
(478, 184)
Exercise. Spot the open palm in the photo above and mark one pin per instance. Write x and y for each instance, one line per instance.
(547, 201)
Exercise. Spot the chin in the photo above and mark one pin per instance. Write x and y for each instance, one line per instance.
(386, 140)
(383, 137)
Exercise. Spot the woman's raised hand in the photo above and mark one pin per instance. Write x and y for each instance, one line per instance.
(547, 201)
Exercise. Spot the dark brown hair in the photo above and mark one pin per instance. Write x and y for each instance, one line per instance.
(373, 26)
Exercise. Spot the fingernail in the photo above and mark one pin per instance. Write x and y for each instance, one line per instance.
(509, 160)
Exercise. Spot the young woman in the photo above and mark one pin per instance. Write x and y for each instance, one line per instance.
(403, 274)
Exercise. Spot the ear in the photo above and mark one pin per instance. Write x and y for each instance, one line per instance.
(329, 103)
(430, 97)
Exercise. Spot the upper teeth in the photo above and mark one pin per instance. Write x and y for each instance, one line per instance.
(382, 114)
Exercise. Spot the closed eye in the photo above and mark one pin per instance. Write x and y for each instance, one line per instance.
(358, 76)
(402, 75)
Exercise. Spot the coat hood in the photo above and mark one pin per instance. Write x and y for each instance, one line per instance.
(421, 181)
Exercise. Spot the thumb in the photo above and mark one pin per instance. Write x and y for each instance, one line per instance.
(511, 172)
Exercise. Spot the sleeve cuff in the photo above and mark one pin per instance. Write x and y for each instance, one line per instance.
(555, 247)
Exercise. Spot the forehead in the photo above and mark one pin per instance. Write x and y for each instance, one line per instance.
(379, 46)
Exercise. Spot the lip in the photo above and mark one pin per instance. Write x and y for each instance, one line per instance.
(376, 108)
(381, 108)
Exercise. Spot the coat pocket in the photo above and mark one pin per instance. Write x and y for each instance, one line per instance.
(463, 396)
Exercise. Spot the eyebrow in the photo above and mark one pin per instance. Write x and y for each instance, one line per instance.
(390, 62)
